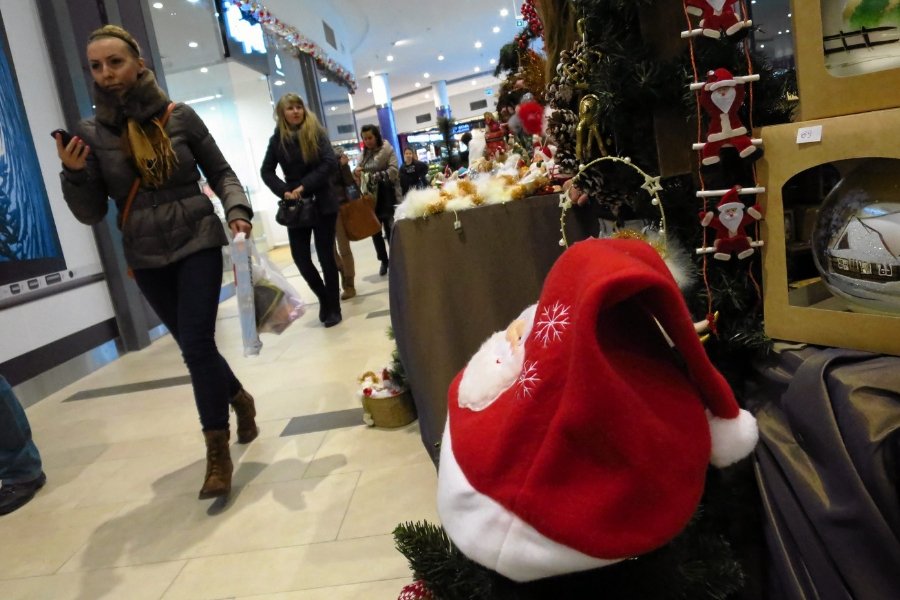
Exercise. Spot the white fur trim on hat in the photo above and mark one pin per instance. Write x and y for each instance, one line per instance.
(493, 368)
(496, 538)
(728, 205)
(732, 439)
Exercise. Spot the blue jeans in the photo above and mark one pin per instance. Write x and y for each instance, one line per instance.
(185, 296)
(19, 457)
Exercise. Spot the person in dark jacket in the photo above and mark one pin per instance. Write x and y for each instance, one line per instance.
(171, 235)
(301, 147)
(413, 173)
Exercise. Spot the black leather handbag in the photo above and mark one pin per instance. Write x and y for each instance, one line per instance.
(297, 213)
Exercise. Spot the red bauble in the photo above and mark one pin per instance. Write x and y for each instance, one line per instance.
(415, 591)
(531, 113)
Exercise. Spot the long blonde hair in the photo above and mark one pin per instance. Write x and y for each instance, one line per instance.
(309, 132)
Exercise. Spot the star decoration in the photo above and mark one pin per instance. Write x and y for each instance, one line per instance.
(651, 184)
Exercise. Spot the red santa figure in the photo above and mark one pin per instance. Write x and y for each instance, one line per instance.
(716, 16)
(730, 224)
(494, 135)
(722, 98)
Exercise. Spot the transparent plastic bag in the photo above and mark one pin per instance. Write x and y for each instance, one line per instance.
(241, 252)
(277, 303)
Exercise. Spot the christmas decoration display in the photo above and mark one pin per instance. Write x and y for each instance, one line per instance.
(385, 402)
(486, 182)
(296, 40)
(730, 223)
(494, 136)
(558, 411)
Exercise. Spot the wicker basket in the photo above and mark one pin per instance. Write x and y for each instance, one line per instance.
(393, 411)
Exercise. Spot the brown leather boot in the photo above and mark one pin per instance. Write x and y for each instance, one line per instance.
(218, 465)
(245, 411)
(349, 290)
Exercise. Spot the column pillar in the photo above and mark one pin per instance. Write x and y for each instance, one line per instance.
(441, 99)
(385, 110)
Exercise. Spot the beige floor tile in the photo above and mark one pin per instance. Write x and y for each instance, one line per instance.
(385, 498)
(360, 448)
(259, 516)
(373, 590)
(36, 543)
(290, 569)
(146, 582)
(276, 459)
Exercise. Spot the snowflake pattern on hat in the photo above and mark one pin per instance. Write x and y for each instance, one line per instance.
(528, 380)
(553, 322)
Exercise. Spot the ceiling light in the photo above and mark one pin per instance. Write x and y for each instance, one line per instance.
(478, 44)
(418, 85)
(427, 95)
(496, 29)
(478, 69)
(474, 82)
(157, 5)
(787, 30)
(371, 73)
(193, 44)
(324, 79)
(762, 45)
(493, 61)
(279, 82)
(389, 57)
(193, 1)
(368, 90)
(789, 15)
(440, 57)
(426, 75)
(204, 70)
(201, 99)
(333, 108)
(504, 12)
(780, 32)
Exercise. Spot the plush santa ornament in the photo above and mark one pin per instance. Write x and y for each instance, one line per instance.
(722, 98)
(716, 16)
(577, 438)
(730, 224)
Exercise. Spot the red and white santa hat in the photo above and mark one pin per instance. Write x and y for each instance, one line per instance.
(731, 199)
(589, 443)
(718, 78)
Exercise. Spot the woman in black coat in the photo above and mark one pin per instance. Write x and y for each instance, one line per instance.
(301, 147)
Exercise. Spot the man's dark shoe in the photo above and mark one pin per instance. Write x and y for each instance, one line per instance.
(332, 319)
(16, 495)
(384, 268)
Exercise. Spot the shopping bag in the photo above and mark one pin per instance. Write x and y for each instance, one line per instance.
(277, 303)
(243, 284)
(358, 218)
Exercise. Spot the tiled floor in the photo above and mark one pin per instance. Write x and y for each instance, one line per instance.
(310, 516)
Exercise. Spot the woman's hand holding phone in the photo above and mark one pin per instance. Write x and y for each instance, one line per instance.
(73, 152)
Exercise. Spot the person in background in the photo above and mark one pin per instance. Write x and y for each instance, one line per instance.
(413, 173)
(301, 147)
(139, 140)
(21, 471)
(464, 154)
(345, 187)
(378, 174)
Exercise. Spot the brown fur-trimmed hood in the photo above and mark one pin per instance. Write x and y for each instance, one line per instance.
(141, 103)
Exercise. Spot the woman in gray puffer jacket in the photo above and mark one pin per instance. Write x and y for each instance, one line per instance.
(171, 235)
(378, 174)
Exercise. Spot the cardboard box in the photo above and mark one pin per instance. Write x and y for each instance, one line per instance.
(842, 90)
(806, 311)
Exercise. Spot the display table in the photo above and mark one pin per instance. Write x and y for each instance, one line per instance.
(452, 288)
(827, 468)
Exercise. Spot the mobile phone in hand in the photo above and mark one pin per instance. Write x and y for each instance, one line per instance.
(66, 137)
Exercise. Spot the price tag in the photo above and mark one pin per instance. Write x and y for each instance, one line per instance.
(808, 135)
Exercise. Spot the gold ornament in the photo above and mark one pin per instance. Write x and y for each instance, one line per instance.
(587, 133)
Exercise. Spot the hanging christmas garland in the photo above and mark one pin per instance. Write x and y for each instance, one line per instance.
(295, 40)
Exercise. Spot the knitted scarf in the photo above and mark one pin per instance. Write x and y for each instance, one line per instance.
(137, 114)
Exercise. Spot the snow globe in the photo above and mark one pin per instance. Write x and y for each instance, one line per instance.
(856, 241)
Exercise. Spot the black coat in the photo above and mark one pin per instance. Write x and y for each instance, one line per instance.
(314, 177)
(413, 176)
